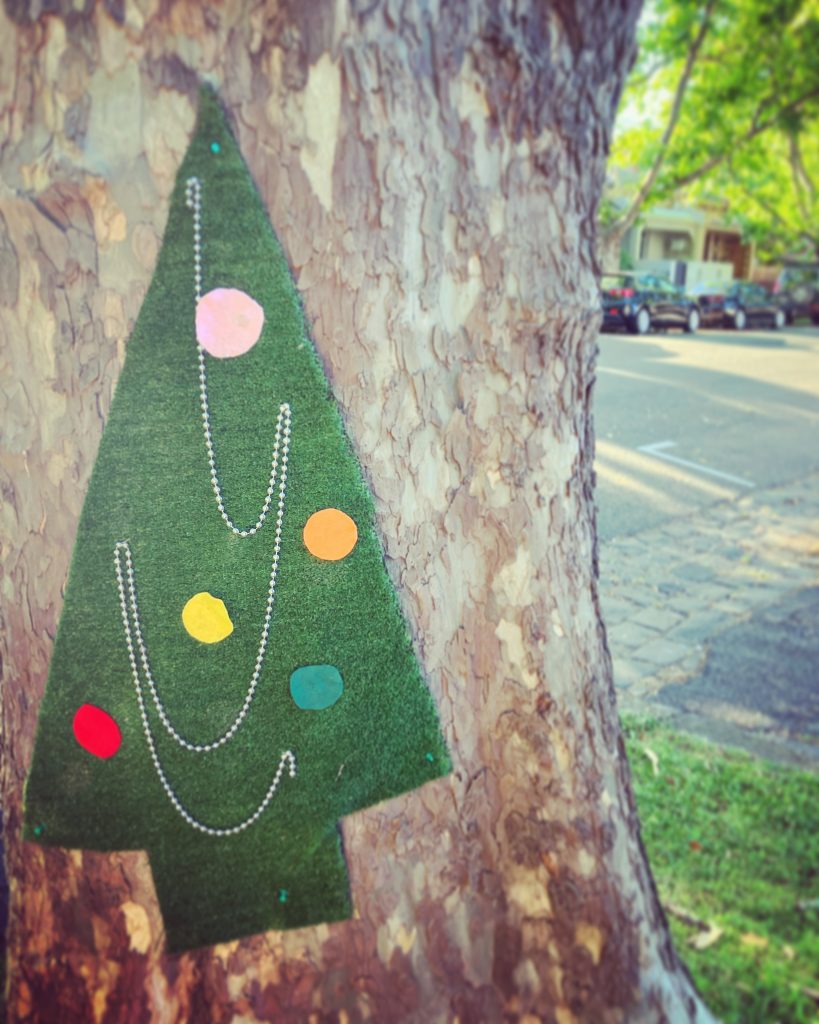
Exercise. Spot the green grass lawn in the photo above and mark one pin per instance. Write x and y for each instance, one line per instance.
(734, 842)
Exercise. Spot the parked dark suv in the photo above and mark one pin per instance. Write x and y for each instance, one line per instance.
(798, 291)
(639, 302)
(738, 304)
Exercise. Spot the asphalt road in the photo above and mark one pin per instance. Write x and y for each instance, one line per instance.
(707, 455)
(741, 409)
(759, 686)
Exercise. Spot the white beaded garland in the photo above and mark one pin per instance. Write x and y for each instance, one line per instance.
(193, 199)
(130, 621)
(128, 595)
(132, 628)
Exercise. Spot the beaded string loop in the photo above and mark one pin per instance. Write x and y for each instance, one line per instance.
(132, 628)
(193, 200)
(129, 607)
(233, 830)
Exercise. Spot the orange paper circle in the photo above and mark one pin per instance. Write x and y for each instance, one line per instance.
(330, 534)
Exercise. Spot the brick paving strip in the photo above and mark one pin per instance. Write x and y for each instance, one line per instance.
(667, 592)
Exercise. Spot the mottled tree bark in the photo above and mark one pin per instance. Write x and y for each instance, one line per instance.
(433, 171)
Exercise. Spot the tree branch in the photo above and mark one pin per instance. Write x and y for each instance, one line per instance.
(798, 166)
(624, 222)
(788, 230)
(757, 128)
(649, 73)
(798, 184)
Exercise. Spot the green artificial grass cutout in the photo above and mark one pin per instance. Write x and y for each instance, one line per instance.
(150, 487)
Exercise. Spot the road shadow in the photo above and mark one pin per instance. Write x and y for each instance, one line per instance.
(759, 688)
(747, 339)
(711, 384)
(739, 339)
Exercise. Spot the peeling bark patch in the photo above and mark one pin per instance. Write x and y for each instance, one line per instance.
(599, 951)
(591, 937)
(171, 72)
(529, 838)
(126, 1000)
(508, 947)
(522, 71)
(511, 635)
(76, 120)
(59, 995)
(322, 107)
(566, 894)
(138, 926)
(116, 8)
(26, 12)
(9, 267)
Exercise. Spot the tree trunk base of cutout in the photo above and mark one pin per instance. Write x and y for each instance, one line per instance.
(246, 894)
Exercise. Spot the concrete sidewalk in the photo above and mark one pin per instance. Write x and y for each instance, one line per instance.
(713, 621)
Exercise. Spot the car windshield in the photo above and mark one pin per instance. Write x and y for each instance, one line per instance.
(716, 288)
(794, 276)
(613, 282)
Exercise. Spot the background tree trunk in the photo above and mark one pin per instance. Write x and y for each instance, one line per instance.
(433, 173)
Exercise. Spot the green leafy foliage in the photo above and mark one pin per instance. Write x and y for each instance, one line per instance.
(772, 188)
(735, 842)
(753, 92)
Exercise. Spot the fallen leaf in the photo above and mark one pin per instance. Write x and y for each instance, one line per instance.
(655, 761)
(702, 940)
(753, 940)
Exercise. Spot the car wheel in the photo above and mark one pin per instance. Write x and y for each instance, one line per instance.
(641, 324)
(779, 319)
(740, 320)
(693, 321)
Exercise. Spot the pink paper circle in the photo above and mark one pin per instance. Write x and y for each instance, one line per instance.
(228, 322)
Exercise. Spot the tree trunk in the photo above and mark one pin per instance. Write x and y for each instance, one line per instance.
(609, 246)
(434, 180)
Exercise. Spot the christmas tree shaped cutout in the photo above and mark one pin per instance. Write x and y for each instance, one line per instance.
(232, 673)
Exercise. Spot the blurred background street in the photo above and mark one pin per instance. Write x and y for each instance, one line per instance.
(708, 504)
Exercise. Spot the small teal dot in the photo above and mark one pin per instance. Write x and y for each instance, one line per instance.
(430, 757)
(283, 894)
(215, 147)
(38, 830)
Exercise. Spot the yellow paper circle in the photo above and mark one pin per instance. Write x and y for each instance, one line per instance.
(330, 534)
(206, 618)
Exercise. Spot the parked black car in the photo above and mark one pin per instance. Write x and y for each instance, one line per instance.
(797, 288)
(738, 304)
(638, 302)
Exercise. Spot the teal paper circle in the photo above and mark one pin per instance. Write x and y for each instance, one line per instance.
(316, 687)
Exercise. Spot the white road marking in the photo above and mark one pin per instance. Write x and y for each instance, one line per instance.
(659, 451)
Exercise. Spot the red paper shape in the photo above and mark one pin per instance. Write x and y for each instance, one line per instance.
(96, 731)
